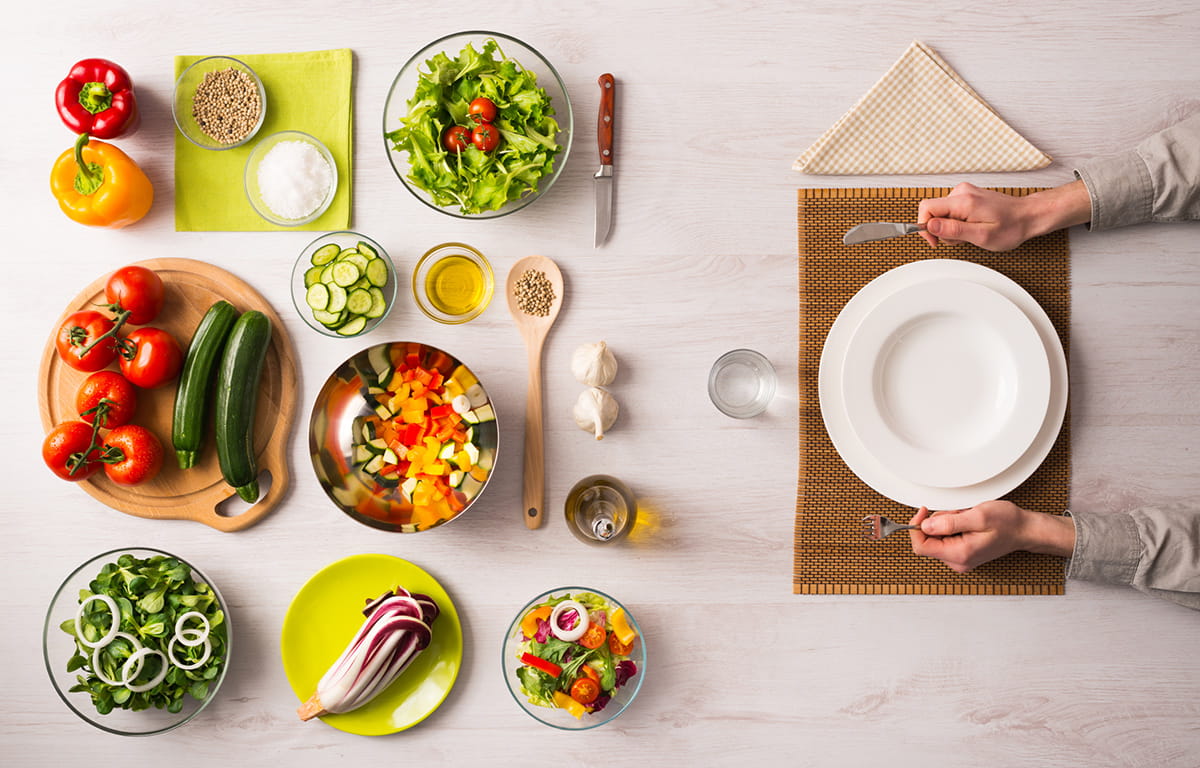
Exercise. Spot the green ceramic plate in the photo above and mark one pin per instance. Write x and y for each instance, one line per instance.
(336, 595)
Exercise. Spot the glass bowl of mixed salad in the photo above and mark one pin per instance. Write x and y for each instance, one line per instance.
(158, 666)
(403, 437)
(477, 125)
(574, 658)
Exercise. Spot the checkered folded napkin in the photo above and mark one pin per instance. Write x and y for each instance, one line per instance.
(921, 117)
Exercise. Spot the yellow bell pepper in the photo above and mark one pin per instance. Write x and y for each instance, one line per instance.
(99, 185)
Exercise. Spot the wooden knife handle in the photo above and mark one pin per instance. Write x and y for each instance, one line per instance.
(608, 89)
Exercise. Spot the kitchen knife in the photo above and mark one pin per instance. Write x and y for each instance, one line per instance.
(878, 230)
(604, 176)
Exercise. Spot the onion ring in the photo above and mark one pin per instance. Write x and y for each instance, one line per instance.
(98, 671)
(137, 656)
(181, 633)
(576, 632)
(112, 630)
(171, 652)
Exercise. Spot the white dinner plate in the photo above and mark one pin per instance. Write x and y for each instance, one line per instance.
(841, 432)
(946, 383)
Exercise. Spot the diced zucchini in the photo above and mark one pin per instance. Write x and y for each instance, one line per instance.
(389, 457)
(381, 362)
(447, 451)
(472, 452)
(485, 413)
(407, 488)
(378, 445)
(476, 395)
(383, 411)
(375, 464)
(455, 478)
(362, 454)
(487, 458)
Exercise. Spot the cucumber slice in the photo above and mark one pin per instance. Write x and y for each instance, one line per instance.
(353, 327)
(378, 303)
(355, 258)
(328, 319)
(312, 275)
(337, 298)
(345, 273)
(377, 272)
(359, 301)
(317, 296)
(367, 250)
(325, 254)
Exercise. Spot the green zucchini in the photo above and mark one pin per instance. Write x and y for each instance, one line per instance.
(195, 382)
(237, 397)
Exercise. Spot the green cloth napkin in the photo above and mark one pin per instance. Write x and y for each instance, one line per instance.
(310, 92)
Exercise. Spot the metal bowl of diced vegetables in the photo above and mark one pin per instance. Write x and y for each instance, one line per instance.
(343, 284)
(403, 437)
(157, 667)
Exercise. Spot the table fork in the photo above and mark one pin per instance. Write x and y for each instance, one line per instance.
(878, 527)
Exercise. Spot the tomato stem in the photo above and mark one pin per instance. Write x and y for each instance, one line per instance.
(119, 319)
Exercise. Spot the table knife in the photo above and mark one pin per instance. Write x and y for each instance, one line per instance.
(604, 176)
(878, 230)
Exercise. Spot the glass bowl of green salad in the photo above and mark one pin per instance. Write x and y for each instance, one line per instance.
(157, 666)
(574, 658)
(477, 125)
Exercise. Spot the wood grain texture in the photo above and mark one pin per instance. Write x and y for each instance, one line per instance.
(717, 99)
(198, 493)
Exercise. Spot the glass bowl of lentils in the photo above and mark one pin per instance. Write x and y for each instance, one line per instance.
(291, 178)
(219, 103)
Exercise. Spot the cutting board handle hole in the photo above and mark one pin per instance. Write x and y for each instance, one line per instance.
(235, 505)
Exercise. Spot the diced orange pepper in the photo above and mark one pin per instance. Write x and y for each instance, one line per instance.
(479, 473)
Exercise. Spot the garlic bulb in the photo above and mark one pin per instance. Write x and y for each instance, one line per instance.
(594, 364)
(595, 411)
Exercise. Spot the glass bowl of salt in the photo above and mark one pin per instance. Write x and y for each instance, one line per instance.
(291, 178)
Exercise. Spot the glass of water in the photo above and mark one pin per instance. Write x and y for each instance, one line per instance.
(741, 383)
(600, 509)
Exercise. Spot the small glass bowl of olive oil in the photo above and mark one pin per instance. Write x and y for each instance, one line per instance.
(453, 283)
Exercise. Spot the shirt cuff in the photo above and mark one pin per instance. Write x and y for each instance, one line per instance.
(1107, 548)
(1121, 190)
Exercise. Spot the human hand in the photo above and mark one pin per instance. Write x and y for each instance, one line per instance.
(999, 222)
(989, 219)
(966, 538)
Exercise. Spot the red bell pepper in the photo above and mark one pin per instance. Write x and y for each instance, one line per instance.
(96, 98)
(549, 667)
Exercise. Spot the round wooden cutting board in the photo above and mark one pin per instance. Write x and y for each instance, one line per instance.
(197, 493)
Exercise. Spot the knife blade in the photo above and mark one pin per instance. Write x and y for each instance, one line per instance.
(879, 230)
(604, 176)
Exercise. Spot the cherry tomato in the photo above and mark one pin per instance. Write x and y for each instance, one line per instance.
(485, 137)
(69, 452)
(106, 391)
(137, 290)
(593, 636)
(617, 647)
(151, 357)
(585, 690)
(131, 455)
(483, 110)
(78, 331)
(456, 138)
(589, 672)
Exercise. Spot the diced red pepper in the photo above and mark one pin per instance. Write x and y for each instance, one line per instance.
(412, 360)
(549, 667)
(441, 411)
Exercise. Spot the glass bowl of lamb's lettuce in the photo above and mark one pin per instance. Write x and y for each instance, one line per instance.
(160, 665)
(433, 94)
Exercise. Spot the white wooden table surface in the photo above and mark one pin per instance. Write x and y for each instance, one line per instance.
(715, 101)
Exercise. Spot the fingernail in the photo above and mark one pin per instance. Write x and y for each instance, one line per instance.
(934, 226)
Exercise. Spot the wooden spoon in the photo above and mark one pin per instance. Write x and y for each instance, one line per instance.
(534, 328)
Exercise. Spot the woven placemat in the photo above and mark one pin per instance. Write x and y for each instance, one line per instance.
(831, 555)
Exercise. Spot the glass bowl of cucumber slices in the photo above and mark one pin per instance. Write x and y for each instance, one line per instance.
(343, 284)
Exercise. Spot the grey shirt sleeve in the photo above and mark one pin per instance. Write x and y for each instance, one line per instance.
(1154, 549)
(1157, 181)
